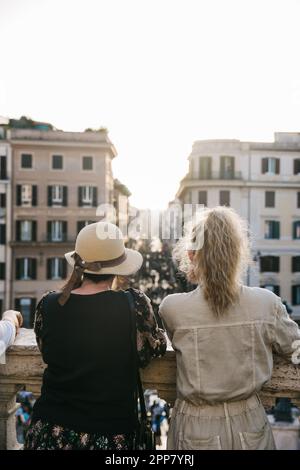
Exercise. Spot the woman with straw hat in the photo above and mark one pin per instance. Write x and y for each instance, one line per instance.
(84, 333)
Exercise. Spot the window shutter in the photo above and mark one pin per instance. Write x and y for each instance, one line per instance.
(3, 200)
(49, 225)
(222, 167)
(65, 230)
(18, 230)
(64, 268)
(65, 195)
(95, 196)
(276, 229)
(49, 263)
(294, 295)
(264, 165)
(79, 196)
(2, 234)
(2, 272)
(18, 268)
(49, 196)
(34, 195)
(33, 268)
(18, 194)
(18, 304)
(34, 230)
(32, 311)
(80, 225)
(298, 200)
(277, 166)
(3, 173)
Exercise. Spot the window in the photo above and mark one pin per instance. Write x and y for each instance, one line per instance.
(26, 195)
(87, 163)
(57, 231)
(26, 230)
(224, 198)
(57, 195)
(296, 295)
(26, 160)
(270, 165)
(56, 268)
(298, 200)
(57, 162)
(2, 271)
(269, 264)
(295, 264)
(27, 307)
(205, 168)
(202, 197)
(296, 230)
(25, 269)
(272, 229)
(2, 234)
(270, 199)
(83, 223)
(227, 168)
(3, 170)
(3, 200)
(297, 166)
(87, 196)
(273, 288)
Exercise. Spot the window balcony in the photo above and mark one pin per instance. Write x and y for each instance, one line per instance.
(24, 368)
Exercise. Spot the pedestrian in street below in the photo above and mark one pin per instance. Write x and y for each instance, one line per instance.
(85, 333)
(224, 334)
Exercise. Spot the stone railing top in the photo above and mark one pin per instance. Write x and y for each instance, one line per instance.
(24, 365)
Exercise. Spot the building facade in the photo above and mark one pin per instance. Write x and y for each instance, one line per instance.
(59, 179)
(261, 181)
(5, 228)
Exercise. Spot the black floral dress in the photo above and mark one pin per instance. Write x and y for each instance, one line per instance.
(151, 342)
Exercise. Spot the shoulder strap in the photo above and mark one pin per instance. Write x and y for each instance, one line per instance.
(135, 354)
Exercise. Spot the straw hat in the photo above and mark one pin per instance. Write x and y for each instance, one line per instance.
(103, 243)
(99, 249)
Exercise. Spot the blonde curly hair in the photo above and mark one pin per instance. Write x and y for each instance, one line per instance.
(220, 260)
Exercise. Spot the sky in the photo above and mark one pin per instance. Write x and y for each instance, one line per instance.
(159, 74)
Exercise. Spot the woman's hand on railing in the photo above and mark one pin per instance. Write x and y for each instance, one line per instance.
(14, 317)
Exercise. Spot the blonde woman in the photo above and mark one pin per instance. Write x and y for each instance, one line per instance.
(223, 333)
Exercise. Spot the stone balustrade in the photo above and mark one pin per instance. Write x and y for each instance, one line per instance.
(24, 368)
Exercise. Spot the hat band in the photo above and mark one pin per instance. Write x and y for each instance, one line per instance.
(97, 265)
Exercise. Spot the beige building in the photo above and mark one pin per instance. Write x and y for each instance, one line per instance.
(5, 216)
(59, 179)
(261, 181)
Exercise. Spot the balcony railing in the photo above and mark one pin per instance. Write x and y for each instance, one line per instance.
(24, 368)
(214, 175)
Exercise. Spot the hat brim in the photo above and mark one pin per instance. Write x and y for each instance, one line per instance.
(130, 265)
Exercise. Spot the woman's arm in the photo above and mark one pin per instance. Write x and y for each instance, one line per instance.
(7, 335)
(151, 340)
(285, 332)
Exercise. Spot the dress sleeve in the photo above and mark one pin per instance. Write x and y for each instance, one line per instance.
(285, 332)
(7, 337)
(151, 340)
(38, 321)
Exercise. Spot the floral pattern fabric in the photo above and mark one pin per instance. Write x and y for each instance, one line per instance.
(151, 342)
(45, 436)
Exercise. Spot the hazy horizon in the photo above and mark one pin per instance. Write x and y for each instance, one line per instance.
(158, 74)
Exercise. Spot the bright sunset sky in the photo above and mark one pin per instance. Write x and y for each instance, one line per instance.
(159, 74)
